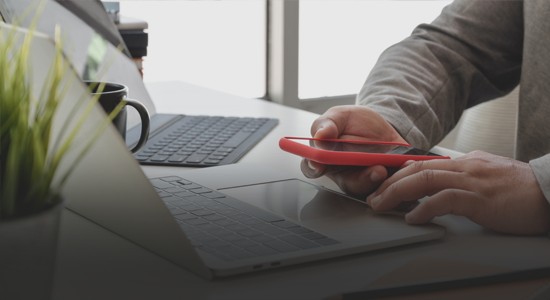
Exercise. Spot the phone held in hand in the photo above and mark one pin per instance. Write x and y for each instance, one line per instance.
(355, 152)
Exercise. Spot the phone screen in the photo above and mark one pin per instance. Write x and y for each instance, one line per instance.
(366, 148)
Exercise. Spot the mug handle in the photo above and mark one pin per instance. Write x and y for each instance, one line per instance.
(145, 123)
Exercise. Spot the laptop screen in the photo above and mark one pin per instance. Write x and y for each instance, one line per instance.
(94, 15)
(88, 51)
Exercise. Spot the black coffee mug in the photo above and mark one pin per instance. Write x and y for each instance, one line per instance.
(110, 95)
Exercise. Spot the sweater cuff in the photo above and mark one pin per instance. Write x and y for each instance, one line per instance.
(404, 126)
(541, 168)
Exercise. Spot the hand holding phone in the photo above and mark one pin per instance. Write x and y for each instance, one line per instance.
(354, 152)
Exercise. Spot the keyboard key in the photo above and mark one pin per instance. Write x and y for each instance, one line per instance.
(229, 212)
(202, 212)
(177, 158)
(284, 224)
(175, 210)
(281, 246)
(207, 227)
(205, 239)
(238, 253)
(172, 200)
(186, 216)
(249, 233)
(219, 232)
(299, 230)
(270, 229)
(210, 161)
(192, 207)
(251, 221)
(232, 237)
(213, 195)
(174, 190)
(183, 193)
(201, 190)
(261, 250)
(163, 194)
(159, 158)
(244, 243)
(225, 222)
(215, 217)
(184, 182)
(196, 158)
(298, 241)
(143, 156)
(261, 238)
(194, 198)
(327, 241)
(237, 227)
(217, 244)
(236, 139)
(313, 236)
(190, 186)
(161, 184)
(195, 221)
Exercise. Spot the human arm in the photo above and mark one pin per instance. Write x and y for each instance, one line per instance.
(469, 54)
(501, 194)
(420, 86)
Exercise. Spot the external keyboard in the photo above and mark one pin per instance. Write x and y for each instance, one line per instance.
(229, 228)
(201, 141)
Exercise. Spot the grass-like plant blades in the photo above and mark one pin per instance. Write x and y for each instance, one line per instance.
(29, 160)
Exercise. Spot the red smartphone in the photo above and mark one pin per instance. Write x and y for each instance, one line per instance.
(355, 152)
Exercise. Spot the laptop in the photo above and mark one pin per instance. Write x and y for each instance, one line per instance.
(174, 139)
(208, 220)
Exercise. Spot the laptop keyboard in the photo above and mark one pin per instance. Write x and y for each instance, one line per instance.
(231, 229)
(201, 141)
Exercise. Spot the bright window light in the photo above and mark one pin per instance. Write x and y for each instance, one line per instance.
(340, 40)
(215, 44)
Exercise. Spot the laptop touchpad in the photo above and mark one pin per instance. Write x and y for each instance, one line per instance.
(297, 200)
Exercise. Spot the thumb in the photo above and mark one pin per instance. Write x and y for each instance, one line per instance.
(324, 128)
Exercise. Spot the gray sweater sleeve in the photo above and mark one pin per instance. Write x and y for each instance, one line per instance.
(471, 53)
(541, 168)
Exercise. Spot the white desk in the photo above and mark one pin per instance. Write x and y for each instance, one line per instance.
(94, 263)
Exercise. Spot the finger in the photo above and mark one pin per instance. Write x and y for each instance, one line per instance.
(416, 186)
(413, 167)
(312, 169)
(325, 128)
(450, 201)
(358, 181)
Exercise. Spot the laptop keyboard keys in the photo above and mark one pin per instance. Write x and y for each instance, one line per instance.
(228, 228)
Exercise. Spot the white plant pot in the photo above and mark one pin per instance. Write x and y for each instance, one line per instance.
(28, 247)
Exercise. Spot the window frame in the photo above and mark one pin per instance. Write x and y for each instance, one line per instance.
(283, 21)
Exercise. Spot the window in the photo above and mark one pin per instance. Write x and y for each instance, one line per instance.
(216, 44)
(340, 40)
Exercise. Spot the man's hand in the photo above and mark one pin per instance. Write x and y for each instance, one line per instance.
(351, 122)
(498, 193)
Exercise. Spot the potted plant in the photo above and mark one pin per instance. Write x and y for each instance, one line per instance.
(31, 153)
